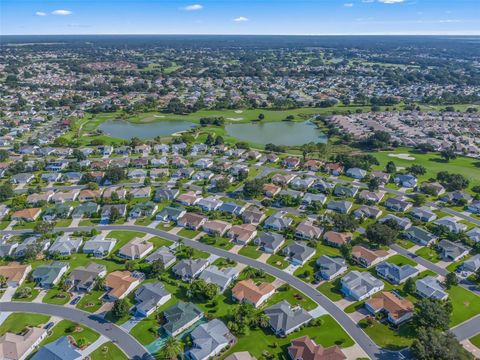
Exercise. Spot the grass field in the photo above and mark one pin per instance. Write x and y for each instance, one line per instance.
(108, 351)
(76, 331)
(428, 254)
(16, 322)
(465, 304)
(386, 337)
(57, 297)
(476, 340)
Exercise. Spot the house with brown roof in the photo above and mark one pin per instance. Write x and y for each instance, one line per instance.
(136, 248)
(306, 230)
(397, 309)
(271, 190)
(337, 239)
(334, 168)
(119, 284)
(89, 195)
(15, 273)
(216, 227)
(35, 198)
(121, 193)
(242, 234)
(283, 179)
(246, 291)
(20, 346)
(30, 214)
(313, 165)
(188, 199)
(192, 221)
(367, 257)
(305, 348)
(61, 197)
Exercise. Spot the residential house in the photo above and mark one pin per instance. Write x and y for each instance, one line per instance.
(62, 197)
(303, 183)
(360, 285)
(307, 231)
(342, 207)
(309, 198)
(188, 199)
(430, 287)
(87, 209)
(246, 291)
(209, 340)
(20, 346)
(278, 221)
(271, 190)
(99, 246)
(162, 194)
(30, 214)
(457, 197)
(58, 349)
(15, 273)
(452, 251)
(471, 265)
(180, 316)
(403, 223)
(169, 213)
(33, 243)
(474, 235)
(192, 221)
(141, 192)
(59, 211)
(381, 176)
(285, 319)
(216, 227)
(120, 192)
(89, 195)
(210, 203)
(65, 245)
(119, 284)
(367, 257)
(367, 211)
(337, 239)
(163, 254)
(305, 348)
(345, 191)
(232, 208)
(253, 215)
(420, 235)
(298, 253)
(136, 248)
(371, 196)
(330, 267)
(423, 213)
(142, 210)
(451, 224)
(189, 269)
(283, 179)
(397, 204)
(48, 275)
(474, 207)
(334, 169)
(270, 242)
(395, 274)
(432, 188)
(291, 162)
(397, 309)
(356, 173)
(242, 234)
(406, 180)
(149, 297)
(22, 178)
(107, 211)
(220, 277)
(83, 278)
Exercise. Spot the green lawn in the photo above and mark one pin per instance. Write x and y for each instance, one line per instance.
(69, 328)
(476, 340)
(123, 237)
(16, 322)
(331, 290)
(91, 302)
(329, 333)
(388, 337)
(428, 254)
(220, 242)
(465, 304)
(108, 351)
(33, 295)
(250, 251)
(57, 297)
(293, 296)
(278, 261)
(401, 260)
(187, 233)
(158, 242)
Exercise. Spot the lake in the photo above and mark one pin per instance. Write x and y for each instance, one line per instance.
(126, 130)
(279, 133)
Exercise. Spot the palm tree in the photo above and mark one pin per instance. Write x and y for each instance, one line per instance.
(171, 349)
(263, 320)
(250, 272)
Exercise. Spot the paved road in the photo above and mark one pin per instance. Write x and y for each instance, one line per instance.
(420, 260)
(373, 350)
(467, 329)
(126, 342)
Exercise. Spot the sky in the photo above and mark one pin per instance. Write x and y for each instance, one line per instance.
(282, 17)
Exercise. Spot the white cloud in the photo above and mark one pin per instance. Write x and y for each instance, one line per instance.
(348, 5)
(62, 12)
(367, 1)
(240, 19)
(193, 7)
(40, 13)
(391, 1)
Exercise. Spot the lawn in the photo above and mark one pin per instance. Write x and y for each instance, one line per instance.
(220, 242)
(428, 254)
(476, 340)
(331, 290)
(91, 302)
(250, 251)
(123, 237)
(387, 337)
(69, 328)
(196, 254)
(329, 333)
(465, 304)
(16, 322)
(187, 233)
(293, 296)
(401, 260)
(108, 351)
(33, 295)
(277, 261)
(57, 297)
(158, 242)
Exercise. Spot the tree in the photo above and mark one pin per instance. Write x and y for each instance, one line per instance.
(346, 251)
(172, 349)
(432, 314)
(381, 234)
(410, 287)
(417, 169)
(114, 175)
(373, 184)
(222, 184)
(419, 199)
(261, 116)
(263, 320)
(44, 227)
(435, 345)
(3, 155)
(210, 140)
(448, 154)
(219, 140)
(156, 268)
(120, 308)
(452, 182)
(3, 281)
(6, 192)
(390, 167)
(114, 215)
(253, 188)
(344, 222)
(451, 280)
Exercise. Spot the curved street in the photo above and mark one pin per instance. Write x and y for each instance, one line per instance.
(130, 346)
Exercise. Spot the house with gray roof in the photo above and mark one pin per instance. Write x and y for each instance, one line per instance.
(471, 265)
(220, 277)
(165, 194)
(474, 234)
(269, 242)
(367, 211)
(356, 173)
(278, 221)
(298, 253)
(420, 236)
(83, 278)
(397, 204)
(60, 349)
(180, 316)
(403, 223)
(189, 269)
(309, 198)
(149, 297)
(345, 191)
(342, 207)
(423, 213)
(59, 211)
(330, 267)
(474, 207)
(169, 213)
(394, 273)
(87, 209)
(360, 285)
(99, 246)
(452, 251)
(65, 245)
(209, 340)
(430, 287)
(163, 254)
(32, 242)
(406, 180)
(457, 197)
(451, 224)
(48, 275)
(210, 203)
(232, 208)
(284, 319)
(144, 209)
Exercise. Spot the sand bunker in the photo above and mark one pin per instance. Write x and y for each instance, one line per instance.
(402, 156)
(235, 119)
(238, 111)
(159, 116)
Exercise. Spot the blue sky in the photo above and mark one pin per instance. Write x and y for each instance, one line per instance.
(240, 17)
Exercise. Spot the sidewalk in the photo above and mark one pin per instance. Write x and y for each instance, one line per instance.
(92, 347)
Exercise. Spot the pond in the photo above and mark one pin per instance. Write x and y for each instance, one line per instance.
(126, 130)
(279, 133)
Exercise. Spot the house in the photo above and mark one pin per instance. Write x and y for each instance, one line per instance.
(285, 319)
(36, 198)
(278, 221)
(271, 190)
(149, 297)
(203, 163)
(58, 349)
(209, 340)
(397, 204)
(403, 223)
(188, 199)
(242, 234)
(457, 197)
(87, 209)
(232, 208)
(452, 251)
(305, 348)
(269, 242)
(83, 278)
(291, 162)
(382, 177)
(72, 176)
(313, 165)
(309, 198)
(367, 211)
(30, 214)
(99, 246)
(420, 235)
(136, 248)
(61, 197)
(360, 285)
(406, 180)
(220, 277)
(31, 243)
(169, 213)
(337, 239)
(120, 193)
(474, 207)
(210, 203)
(216, 227)
(22, 178)
(334, 169)
(156, 174)
(192, 221)
(394, 273)
(423, 214)
(471, 265)
(47, 276)
(240, 355)
(163, 254)
(189, 269)
(119, 284)
(298, 253)
(15, 273)
(474, 235)
(142, 210)
(283, 179)
(451, 224)
(430, 287)
(253, 215)
(246, 291)
(367, 257)
(121, 210)
(432, 188)
(60, 211)
(371, 196)
(89, 195)
(303, 183)
(307, 231)
(179, 317)
(330, 267)
(165, 194)
(345, 191)
(342, 207)
(65, 245)
(141, 192)
(397, 309)
(356, 173)
(20, 346)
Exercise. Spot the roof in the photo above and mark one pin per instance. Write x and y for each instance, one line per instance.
(179, 315)
(283, 318)
(14, 271)
(208, 337)
(361, 282)
(135, 248)
(149, 294)
(247, 289)
(13, 346)
(60, 349)
(189, 267)
(395, 306)
(220, 277)
(27, 213)
(430, 287)
(306, 349)
(119, 282)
